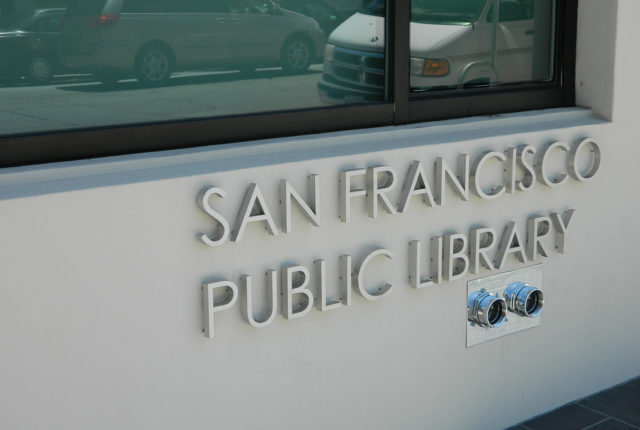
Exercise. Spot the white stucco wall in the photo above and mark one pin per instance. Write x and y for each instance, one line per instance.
(100, 309)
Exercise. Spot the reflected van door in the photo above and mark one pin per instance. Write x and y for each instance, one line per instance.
(255, 36)
(199, 30)
(514, 56)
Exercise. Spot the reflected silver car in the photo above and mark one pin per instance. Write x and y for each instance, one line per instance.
(153, 38)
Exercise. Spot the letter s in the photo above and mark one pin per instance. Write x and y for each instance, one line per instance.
(204, 203)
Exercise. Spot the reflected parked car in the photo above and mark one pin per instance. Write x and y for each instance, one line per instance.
(328, 17)
(153, 38)
(29, 45)
(453, 43)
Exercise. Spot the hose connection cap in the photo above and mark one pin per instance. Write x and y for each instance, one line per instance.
(524, 299)
(486, 309)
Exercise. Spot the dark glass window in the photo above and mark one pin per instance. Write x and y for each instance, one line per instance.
(126, 76)
(456, 43)
(48, 23)
(85, 7)
(143, 6)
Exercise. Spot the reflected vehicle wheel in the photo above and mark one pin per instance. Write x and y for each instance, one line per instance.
(39, 70)
(296, 55)
(153, 65)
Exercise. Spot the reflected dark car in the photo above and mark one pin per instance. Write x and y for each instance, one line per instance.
(29, 44)
(328, 17)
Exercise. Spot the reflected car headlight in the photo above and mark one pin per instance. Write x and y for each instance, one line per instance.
(328, 52)
(433, 67)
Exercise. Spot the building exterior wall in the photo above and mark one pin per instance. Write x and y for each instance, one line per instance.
(100, 287)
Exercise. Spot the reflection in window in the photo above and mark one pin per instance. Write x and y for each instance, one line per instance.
(29, 43)
(119, 62)
(116, 62)
(354, 63)
(457, 43)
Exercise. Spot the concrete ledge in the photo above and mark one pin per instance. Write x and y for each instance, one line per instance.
(60, 177)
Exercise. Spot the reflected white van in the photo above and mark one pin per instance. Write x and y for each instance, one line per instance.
(454, 43)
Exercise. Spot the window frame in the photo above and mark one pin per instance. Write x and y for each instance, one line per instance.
(402, 107)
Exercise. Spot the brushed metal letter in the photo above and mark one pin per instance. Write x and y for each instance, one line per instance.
(511, 243)
(415, 184)
(310, 211)
(272, 305)
(321, 286)
(542, 161)
(253, 209)
(289, 290)
(595, 162)
(209, 306)
(475, 176)
(377, 192)
(561, 222)
(481, 239)
(224, 225)
(360, 271)
(537, 228)
(346, 193)
(415, 278)
(455, 252)
(529, 178)
(459, 183)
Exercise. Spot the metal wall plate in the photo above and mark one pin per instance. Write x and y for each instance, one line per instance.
(496, 285)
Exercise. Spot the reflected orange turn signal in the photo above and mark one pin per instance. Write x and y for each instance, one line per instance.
(435, 67)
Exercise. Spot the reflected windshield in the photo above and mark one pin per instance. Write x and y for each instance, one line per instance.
(446, 11)
(85, 7)
(18, 21)
(374, 7)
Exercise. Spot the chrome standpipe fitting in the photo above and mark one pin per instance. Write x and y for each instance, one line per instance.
(524, 299)
(486, 309)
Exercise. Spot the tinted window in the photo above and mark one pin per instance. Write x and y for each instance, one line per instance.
(483, 54)
(375, 7)
(48, 23)
(293, 5)
(513, 10)
(446, 10)
(266, 71)
(317, 9)
(195, 59)
(250, 6)
(143, 6)
(85, 7)
(197, 6)
(18, 21)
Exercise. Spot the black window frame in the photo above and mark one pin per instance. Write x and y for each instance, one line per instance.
(402, 107)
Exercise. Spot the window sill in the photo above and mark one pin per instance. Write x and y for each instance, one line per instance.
(27, 181)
